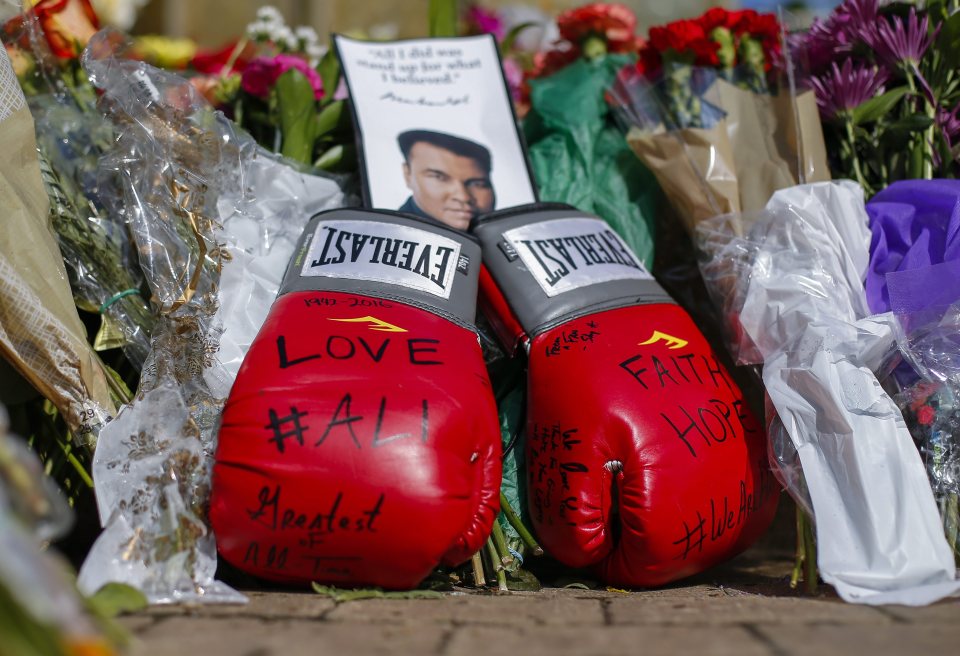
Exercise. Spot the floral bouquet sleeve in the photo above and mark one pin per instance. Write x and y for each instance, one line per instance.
(703, 111)
(214, 218)
(791, 290)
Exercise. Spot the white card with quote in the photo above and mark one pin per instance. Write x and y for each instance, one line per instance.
(436, 130)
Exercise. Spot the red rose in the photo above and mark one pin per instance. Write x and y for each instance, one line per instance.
(714, 18)
(649, 62)
(614, 23)
(762, 26)
(677, 36)
(705, 52)
(926, 415)
(686, 37)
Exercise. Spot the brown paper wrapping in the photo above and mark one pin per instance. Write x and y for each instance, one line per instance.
(764, 143)
(695, 169)
(41, 334)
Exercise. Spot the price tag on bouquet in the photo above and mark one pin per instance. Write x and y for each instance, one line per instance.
(437, 136)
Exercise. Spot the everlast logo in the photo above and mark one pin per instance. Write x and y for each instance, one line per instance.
(561, 256)
(423, 258)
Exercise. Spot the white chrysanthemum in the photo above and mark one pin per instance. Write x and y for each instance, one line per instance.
(315, 53)
(307, 35)
(284, 38)
(270, 15)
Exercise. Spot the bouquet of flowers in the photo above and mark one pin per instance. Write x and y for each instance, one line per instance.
(71, 137)
(914, 272)
(577, 152)
(886, 85)
(790, 282)
(283, 87)
(704, 110)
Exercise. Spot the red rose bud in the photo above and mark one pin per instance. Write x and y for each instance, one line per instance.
(926, 415)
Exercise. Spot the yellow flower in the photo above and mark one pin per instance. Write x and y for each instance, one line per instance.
(165, 52)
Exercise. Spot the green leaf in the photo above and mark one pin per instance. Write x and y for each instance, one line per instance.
(297, 107)
(948, 41)
(507, 44)
(523, 580)
(877, 107)
(331, 118)
(340, 157)
(330, 159)
(116, 598)
(329, 70)
(443, 18)
(912, 123)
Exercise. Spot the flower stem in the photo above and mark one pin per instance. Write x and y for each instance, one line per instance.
(518, 526)
(234, 56)
(921, 156)
(498, 568)
(799, 553)
(478, 578)
(810, 553)
(500, 542)
(854, 157)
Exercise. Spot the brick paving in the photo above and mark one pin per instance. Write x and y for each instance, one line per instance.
(745, 607)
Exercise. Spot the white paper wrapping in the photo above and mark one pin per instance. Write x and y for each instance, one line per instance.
(879, 534)
(261, 225)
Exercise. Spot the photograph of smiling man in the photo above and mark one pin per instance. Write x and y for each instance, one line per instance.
(437, 137)
(448, 177)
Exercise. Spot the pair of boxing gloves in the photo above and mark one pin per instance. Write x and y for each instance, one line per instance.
(360, 444)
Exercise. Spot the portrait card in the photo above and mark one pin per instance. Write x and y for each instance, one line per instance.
(437, 136)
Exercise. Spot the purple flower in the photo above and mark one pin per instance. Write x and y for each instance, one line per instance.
(897, 43)
(262, 72)
(826, 41)
(949, 124)
(485, 21)
(843, 88)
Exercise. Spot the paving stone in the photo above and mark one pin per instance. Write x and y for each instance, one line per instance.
(473, 609)
(238, 636)
(945, 612)
(609, 641)
(896, 639)
(137, 623)
(262, 604)
(737, 608)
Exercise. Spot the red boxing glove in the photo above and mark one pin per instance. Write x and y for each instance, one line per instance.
(360, 444)
(643, 460)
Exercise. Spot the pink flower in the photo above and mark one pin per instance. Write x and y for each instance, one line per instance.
(261, 74)
(484, 21)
